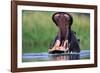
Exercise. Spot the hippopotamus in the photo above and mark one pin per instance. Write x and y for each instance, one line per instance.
(65, 40)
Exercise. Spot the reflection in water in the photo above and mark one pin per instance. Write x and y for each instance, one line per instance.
(66, 57)
(34, 57)
(74, 57)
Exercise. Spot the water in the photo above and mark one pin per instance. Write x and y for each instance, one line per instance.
(34, 57)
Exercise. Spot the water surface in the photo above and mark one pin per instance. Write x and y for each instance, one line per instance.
(44, 56)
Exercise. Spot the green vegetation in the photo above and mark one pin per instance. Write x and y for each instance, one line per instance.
(38, 30)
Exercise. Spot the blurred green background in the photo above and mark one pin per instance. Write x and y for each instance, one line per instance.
(38, 30)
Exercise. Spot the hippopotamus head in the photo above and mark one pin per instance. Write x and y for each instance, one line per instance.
(63, 21)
